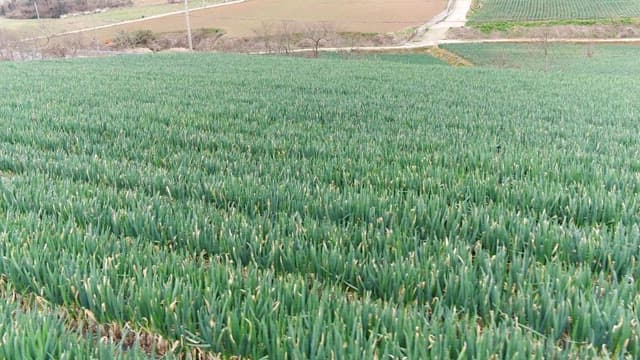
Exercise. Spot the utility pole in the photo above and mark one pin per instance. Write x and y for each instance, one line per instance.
(35, 4)
(186, 14)
(35, 43)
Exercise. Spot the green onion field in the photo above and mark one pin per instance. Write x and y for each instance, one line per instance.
(528, 10)
(283, 208)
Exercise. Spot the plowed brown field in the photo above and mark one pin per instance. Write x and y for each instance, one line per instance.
(243, 19)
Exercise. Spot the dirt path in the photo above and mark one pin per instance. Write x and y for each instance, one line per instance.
(436, 31)
(421, 45)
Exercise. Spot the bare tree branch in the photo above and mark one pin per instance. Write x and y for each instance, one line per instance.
(319, 33)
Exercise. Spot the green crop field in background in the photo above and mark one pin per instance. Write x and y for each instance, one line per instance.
(406, 58)
(292, 208)
(527, 10)
(603, 59)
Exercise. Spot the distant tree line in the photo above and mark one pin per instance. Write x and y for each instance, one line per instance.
(30, 9)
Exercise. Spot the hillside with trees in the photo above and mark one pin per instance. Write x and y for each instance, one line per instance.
(30, 9)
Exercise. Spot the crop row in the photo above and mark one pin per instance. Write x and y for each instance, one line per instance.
(313, 209)
(526, 10)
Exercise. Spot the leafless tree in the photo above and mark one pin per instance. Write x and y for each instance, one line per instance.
(11, 48)
(286, 36)
(266, 34)
(6, 45)
(36, 9)
(318, 33)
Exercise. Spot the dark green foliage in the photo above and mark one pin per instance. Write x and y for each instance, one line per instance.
(535, 10)
(138, 38)
(290, 208)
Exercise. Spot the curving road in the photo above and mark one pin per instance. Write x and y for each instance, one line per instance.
(436, 31)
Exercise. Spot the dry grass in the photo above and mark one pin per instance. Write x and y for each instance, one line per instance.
(602, 31)
(449, 57)
(126, 336)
